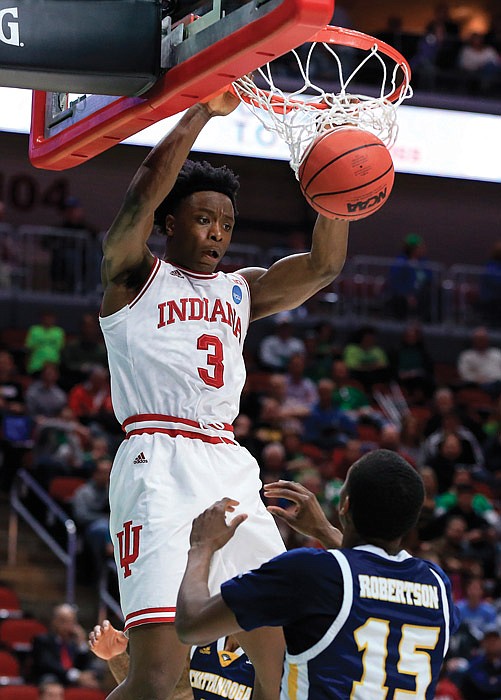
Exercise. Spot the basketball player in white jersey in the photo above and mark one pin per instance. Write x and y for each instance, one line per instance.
(174, 331)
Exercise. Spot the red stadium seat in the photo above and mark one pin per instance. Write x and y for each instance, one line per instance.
(84, 694)
(17, 635)
(62, 488)
(10, 669)
(18, 692)
(10, 605)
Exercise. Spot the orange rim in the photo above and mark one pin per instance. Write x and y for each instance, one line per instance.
(340, 36)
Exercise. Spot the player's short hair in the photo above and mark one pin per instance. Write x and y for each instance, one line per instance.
(386, 495)
(197, 176)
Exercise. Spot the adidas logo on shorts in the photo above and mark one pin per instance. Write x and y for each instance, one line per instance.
(140, 459)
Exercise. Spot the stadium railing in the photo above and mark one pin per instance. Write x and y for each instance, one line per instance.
(49, 263)
(27, 500)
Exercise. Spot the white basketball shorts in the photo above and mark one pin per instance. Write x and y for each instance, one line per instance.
(159, 484)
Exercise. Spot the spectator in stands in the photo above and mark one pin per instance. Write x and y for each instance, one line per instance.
(299, 388)
(413, 365)
(480, 64)
(481, 503)
(490, 286)
(44, 397)
(482, 679)
(443, 404)
(99, 446)
(393, 33)
(445, 461)
(44, 343)
(327, 426)
(446, 450)
(351, 452)
(11, 391)
(63, 652)
(320, 348)
(424, 67)
(446, 689)
(69, 256)
(447, 31)
(429, 511)
(272, 462)
(84, 352)
(409, 281)
(60, 444)
(437, 49)
(449, 550)
(269, 422)
(15, 426)
(493, 36)
(276, 349)
(289, 406)
(90, 401)
(366, 361)
(9, 252)
(50, 689)
(479, 537)
(475, 611)
(492, 456)
(390, 440)
(411, 436)
(349, 394)
(481, 364)
(91, 512)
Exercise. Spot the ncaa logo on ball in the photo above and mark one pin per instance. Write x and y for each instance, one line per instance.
(361, 205)
(236, 293)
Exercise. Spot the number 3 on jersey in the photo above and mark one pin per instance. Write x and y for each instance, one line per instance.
(214, 348)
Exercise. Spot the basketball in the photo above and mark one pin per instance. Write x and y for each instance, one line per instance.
(346, 173)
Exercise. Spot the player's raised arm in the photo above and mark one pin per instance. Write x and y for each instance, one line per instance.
(292, 280)
(305, 514)
(200, 617)
(124, 246)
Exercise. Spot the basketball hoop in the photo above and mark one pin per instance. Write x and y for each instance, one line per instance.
(298, 117)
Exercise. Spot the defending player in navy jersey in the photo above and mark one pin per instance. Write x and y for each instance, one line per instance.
(218, 670)
(366, 621)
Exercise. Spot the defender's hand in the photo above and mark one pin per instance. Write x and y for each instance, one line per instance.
(106, 642)
(211, 530)
(305, 516)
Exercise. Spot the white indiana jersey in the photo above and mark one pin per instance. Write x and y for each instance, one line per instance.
(176, 349)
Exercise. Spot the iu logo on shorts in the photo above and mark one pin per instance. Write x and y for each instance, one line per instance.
(128, 546)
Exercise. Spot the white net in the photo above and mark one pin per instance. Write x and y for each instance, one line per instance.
(298, 117)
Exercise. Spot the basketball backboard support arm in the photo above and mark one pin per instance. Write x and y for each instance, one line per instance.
(198, 64)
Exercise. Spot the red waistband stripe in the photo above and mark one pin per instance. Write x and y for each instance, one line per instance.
(160, 417)
(150, 423)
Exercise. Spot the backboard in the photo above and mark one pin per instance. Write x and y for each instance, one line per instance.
(201, 54)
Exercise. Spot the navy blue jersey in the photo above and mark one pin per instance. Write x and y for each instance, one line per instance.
(359, 624)
(217, 673)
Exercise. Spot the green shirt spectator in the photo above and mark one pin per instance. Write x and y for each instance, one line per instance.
(44, 341)
(366, 361)
(358, 358)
